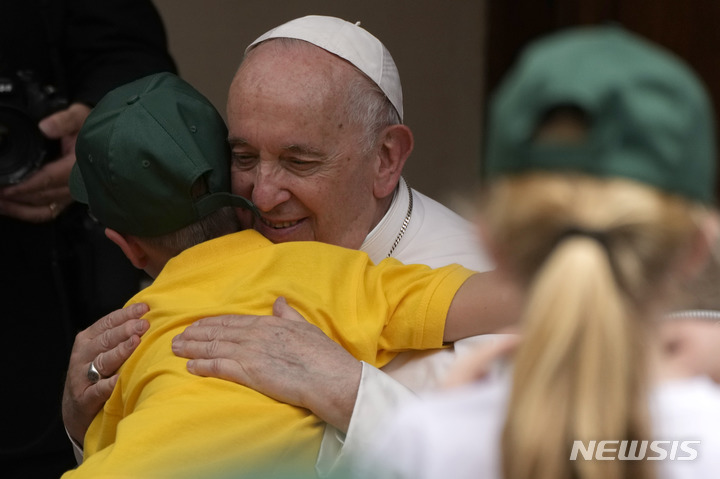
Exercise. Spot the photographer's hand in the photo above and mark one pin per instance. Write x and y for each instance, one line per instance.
(45, 193)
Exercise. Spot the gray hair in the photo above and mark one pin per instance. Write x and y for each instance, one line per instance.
(218, 223)
(368, 106)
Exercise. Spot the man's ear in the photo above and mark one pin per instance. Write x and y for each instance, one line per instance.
(130, 247)
(394, 149)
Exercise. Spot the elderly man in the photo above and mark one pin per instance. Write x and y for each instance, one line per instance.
(315, 126)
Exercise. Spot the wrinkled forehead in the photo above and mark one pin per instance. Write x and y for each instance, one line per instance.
(292, 74)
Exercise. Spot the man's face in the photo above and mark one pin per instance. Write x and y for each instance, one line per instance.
(295, 153)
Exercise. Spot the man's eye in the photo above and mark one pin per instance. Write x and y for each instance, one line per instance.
(300, 165)
(243, 161)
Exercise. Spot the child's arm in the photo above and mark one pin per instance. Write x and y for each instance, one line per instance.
(485, 303)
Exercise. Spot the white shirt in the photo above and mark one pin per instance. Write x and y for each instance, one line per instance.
(456, 434)
(435, 236)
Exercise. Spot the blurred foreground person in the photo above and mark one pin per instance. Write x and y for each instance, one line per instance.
(601, 167)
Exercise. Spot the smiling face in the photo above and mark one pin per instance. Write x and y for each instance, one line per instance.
(295, 152)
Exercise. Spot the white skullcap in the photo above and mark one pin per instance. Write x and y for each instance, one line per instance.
(350, 42)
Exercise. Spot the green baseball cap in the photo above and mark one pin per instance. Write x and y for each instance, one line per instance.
(152, 158)
(650, 118)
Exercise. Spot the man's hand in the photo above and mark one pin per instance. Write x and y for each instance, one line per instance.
(282, 356)
(43, 195)
(107, 343)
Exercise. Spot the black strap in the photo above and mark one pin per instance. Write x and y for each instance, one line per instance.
(599, 236)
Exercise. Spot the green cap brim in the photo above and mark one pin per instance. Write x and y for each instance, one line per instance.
(216, 201)
(77, 185)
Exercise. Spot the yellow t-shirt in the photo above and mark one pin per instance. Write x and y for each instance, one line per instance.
(162, 421)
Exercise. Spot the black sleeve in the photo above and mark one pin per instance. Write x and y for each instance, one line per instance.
(107, 43)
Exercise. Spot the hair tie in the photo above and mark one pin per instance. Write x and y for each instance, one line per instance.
(599, 236)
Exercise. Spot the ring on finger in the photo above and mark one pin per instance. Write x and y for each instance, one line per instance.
(53, 209)
(93, 374)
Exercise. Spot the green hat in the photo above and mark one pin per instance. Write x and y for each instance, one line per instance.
(141, 153)
(650, 118)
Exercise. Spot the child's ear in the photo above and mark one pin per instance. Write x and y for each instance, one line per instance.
(703, 248)
(130, 247)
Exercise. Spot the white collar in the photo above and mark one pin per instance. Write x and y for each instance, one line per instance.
(388, 233)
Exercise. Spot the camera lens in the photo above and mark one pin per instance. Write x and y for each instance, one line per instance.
(21, 146)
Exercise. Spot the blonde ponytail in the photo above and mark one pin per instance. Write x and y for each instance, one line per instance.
(582, 373)
(571, 377)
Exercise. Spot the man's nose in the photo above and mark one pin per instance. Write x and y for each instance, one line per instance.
(269, 188)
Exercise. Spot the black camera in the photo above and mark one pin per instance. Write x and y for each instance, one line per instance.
(24, 101)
